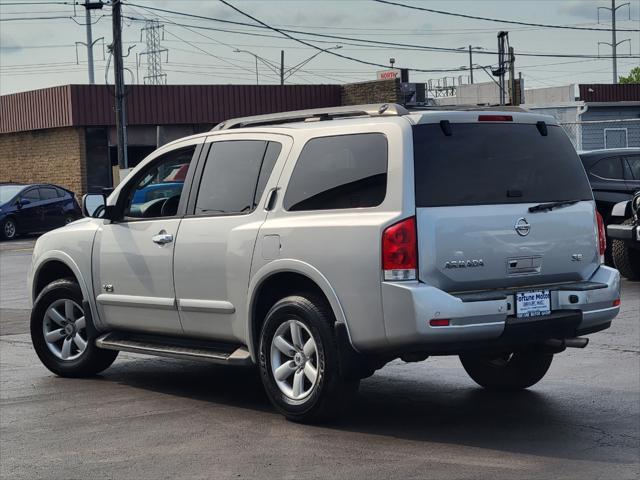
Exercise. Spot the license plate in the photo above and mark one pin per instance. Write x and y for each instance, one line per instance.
(533, 303)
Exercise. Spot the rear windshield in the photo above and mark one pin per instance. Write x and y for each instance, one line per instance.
(492, 163)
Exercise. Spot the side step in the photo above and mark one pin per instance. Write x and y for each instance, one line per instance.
(183, 349)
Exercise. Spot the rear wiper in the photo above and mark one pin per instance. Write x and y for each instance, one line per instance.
(551, 205)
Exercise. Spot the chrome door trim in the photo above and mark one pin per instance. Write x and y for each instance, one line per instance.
(209, 306)
(136, 301)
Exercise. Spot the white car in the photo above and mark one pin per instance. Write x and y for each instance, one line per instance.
(322, 244)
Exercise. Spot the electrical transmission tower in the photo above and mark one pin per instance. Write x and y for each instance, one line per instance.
(154, 34)
(614, 43)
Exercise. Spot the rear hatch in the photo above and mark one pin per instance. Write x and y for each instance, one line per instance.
(474, 185)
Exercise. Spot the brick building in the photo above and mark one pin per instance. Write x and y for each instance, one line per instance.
(66, 135)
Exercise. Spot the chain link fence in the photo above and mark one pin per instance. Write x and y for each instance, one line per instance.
(598, 134)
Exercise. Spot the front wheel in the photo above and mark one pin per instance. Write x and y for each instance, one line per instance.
(299, 360)
(8, 229)
(60, 336)
(509, 371)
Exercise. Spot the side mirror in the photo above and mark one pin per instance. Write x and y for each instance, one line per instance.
(94, 205)
(21, 202)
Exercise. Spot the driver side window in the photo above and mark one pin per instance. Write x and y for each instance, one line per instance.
(159, 187)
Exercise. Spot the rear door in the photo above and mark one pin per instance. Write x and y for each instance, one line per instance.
(216, 240)
(473, 192)
(52, 207)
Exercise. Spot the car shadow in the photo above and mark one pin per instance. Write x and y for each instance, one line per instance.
(426, 410)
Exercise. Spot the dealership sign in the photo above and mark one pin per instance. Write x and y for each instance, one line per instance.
(391, 74)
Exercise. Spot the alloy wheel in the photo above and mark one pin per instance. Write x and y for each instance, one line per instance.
(294, 359)
(65, 329)
(9, 229)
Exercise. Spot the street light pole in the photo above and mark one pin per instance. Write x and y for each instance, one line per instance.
(471, 63)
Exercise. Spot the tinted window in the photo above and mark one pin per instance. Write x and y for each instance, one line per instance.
(345, 171)
(270, 157)
(634, 165)
(230, 177)
(158, 190)
(48, 193)
(61, 193)
(493, 163)
(608, 168)
(32, 195)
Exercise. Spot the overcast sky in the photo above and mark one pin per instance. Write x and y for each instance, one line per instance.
(39, 53)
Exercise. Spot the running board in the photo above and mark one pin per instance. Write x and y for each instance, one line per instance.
(154, 346)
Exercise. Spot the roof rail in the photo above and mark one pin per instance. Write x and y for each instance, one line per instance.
(315, 114)
(466, 107)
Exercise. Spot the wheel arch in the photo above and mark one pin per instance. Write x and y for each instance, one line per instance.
(54, 266)
(278, 279)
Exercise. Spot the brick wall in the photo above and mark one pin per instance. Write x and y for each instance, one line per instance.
(45, 156)
(377, 91)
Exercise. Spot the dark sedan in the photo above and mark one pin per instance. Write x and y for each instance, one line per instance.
(35, 208)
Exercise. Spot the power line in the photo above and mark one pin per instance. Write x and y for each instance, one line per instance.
(511, 22)
(363, 41)
(33, 18)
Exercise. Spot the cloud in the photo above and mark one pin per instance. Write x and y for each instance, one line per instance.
(8, 44)
(584, 9)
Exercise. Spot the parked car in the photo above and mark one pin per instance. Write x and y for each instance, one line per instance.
(322, 244)
(626, 238)
(35, 208)
(614, 175)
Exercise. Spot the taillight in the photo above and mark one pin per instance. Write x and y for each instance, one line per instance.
(400, 251)
(602, 236)
(495, 118)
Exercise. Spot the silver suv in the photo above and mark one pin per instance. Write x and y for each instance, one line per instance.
(322, 244)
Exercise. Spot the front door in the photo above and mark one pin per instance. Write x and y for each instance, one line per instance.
(217, 236)
(133, 257)
(29, 212)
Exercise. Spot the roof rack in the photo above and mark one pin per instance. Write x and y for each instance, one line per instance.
(463, 107)
(315, 114)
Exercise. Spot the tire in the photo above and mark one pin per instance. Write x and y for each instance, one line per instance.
(329, 394)
(508, 372)
(8, 229)
(626, 258)
(79, 362)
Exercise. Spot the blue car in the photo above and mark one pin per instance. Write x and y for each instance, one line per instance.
(35, 208)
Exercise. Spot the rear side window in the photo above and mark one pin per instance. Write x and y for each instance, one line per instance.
(270, 157)
(494, 163)
(48, 193)
(32, 195)
(230, 177)
(345, 171)
(634, 165)
(610, 168)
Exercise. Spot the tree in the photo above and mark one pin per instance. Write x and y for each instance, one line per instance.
(634, 76)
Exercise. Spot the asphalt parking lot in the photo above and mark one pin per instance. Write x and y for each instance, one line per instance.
(151, 418)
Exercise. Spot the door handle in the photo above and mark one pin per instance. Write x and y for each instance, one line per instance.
(162, 238)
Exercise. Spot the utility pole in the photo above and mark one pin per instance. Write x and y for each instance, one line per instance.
(512, 77)
(87, 17)
(281, 67)
(500, 73)
(614, 43)
(118, 74)
(471, 63)
(88, 6)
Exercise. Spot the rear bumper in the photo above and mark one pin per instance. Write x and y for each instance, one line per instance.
(627, 233)
(488, 320)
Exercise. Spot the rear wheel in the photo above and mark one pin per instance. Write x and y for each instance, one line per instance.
(60, 335)
(509, 371)
(626, 258)
(299, 360)
(8, 229)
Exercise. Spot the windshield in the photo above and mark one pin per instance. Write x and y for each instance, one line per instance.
(7, 192)
(494, 163)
